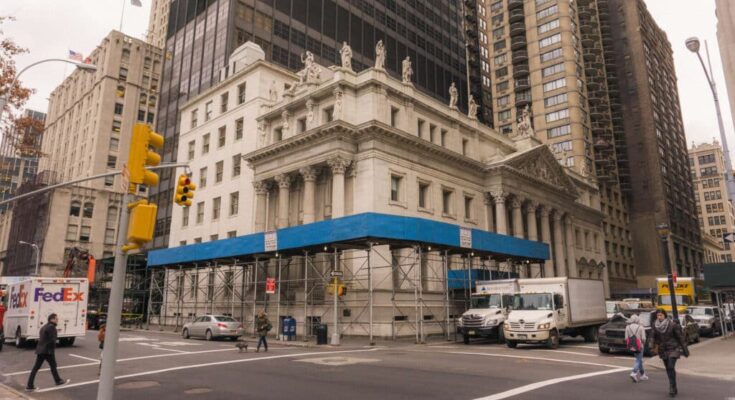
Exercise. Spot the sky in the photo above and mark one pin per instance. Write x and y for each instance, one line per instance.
(86, 22)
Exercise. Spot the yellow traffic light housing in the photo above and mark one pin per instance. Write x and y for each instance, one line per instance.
(184, 191)
(141, 156)
(141, 224)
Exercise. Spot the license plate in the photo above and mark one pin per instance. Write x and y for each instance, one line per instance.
(471, 333)
(232, 331)
(523, 336)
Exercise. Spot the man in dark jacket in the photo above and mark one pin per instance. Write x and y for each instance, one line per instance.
(262, 325)
(45, 350)
(669, 340)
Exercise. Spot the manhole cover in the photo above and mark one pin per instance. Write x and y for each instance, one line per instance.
(197, 391)
(338, 361)
(138, 385)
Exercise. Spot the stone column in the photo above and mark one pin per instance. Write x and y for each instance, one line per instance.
(261, 196)
(489, 212)
(561, 268)
(309, 174)
(531, 207)
(338, 166)
(571, 258)
(501, 215)
(515, 206)
(544, 212)
(284, 185)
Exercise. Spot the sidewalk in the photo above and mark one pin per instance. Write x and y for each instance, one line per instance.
(711, 359)
(8, 393)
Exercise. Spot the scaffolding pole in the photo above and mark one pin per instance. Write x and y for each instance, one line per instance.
(306, 294)
(445, 278)
(278, 305)
(370, 293)
(255, 294)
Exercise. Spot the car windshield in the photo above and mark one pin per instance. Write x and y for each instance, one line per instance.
(611, 307)
(221, 318)
(701, 311)
(529, 301)
(680, 300)
(486, 301)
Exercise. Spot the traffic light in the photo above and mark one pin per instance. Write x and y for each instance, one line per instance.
(141, 224)
(141, 156)
(184, 191)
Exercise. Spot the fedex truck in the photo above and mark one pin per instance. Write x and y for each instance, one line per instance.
(32, 300)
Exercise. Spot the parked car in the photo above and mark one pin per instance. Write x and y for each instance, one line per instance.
(690, 328)
(708, 318)
(611, 336)
(213, 326)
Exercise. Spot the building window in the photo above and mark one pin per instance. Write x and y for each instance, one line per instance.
(443, 137)
(75, 208)
(212, 238)
(555, 100)
(328, 114)
(185, 216)
(501, 72)
(88, 210)
(71, 232)
(447, 201)
(84, 234)
(123, 75)
(278, 134)
(234, 203)
(706, 159)
(141, 115)
(394, 117)
(109, 181)
(301, 125)
(506, 129)
(231, 234)
(197, 240)
(238, 129)
(554, 69)
(561, 146)
(503, 100)
(111, 162)
(420, 128)
(548, 41)
(553, 54)
(223, 98)
(205, 144)
(558, 131)
(395, 187)
(547, 12)
(114, 144)
(502, 86)
(200, 212)
(203, 178)
(432, 132)
(109, 236)
(468, 207)
(557, 115)
(241, 93)
(548, 26)
(194, 117)
(423, 195)
(465, 144)
(118, 109)
(216, 204)
(192, 146)
(219, 170)
(116, 126)
(208, 111)
(501, 59)
(503, 115)
(555, 84)
(236, 162)
(222, 138)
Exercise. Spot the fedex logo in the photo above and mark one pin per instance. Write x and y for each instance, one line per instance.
(18, 299)
(65, 294)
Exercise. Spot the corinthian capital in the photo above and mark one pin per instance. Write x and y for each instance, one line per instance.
(309, 173)
(531, 206)
(261, 187)
(516, 202)
(284, 181)
(498, 195)
(544, 211)
(338, 164)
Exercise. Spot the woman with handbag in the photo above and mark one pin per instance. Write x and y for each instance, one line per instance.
(668, 338)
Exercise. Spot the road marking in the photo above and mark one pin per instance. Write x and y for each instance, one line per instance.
(570, 352)
(84, 358)
(183, 367)
(582, 346)
(538, 358)
(538, 385)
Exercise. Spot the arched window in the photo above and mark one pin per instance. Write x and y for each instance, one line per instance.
(125, 55)
(88, 210)
(75, 208)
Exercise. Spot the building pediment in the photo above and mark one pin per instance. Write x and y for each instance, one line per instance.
(539, 164)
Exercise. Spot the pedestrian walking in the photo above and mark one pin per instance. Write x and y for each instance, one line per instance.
(263, 326)
(101, 340)
(635, 339)
(45, 351)
(667, 337)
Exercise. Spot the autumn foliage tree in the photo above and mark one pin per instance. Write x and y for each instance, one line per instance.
(12, 94)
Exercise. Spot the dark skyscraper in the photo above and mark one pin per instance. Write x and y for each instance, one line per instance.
(203, 33)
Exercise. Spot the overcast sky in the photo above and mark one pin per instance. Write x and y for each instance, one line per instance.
(48, 28)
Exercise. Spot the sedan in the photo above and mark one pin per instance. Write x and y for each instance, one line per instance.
(213, 326)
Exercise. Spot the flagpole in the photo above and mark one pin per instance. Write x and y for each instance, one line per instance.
(122, 14)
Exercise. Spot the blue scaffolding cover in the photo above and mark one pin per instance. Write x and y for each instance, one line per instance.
(352, 228)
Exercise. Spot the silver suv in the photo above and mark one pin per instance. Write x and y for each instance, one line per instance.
(708, 319)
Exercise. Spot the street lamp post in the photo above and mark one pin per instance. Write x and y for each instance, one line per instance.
(36, 252)
(663, 233)
(693, 45)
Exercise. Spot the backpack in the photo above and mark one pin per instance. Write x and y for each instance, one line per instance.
(634, 343)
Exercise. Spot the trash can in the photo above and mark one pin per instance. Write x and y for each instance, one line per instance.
(321, 334)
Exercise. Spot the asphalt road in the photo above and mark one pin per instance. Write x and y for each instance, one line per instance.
(162, 366)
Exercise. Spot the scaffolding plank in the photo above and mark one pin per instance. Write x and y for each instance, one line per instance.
(374, 226)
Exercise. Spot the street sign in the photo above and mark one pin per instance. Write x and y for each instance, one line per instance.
(271, 241)
(336, 273)
(728, 237)
(270, 285)
(465, 238)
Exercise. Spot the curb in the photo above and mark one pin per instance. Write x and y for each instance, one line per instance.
(14, 394)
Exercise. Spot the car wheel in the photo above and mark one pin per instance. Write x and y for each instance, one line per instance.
(511, 343)
(185, 333)
(501, 335)
(208, 335)
(19, 341)
(590, 336)
(553, 341)
(603, 349)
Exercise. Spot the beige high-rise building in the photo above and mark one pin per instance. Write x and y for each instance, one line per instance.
(88, 127)
(716, 216)
(726, 38)
(158, 22)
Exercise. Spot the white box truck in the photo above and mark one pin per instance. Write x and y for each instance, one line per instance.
(489, 306)
(32, 300)
(544, 309)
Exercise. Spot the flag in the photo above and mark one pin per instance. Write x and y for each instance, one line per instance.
(136, 3)
(73, 55)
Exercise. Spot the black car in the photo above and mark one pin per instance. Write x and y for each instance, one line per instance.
(611, 336)
(95, 319)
